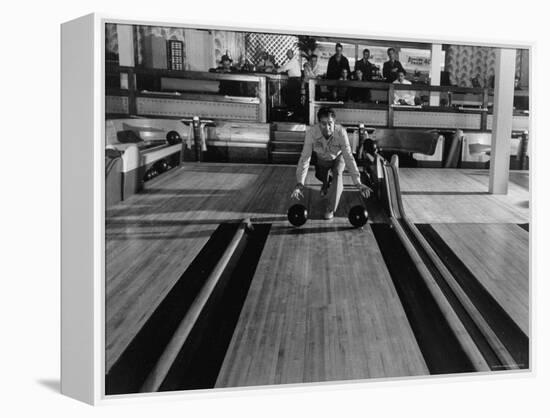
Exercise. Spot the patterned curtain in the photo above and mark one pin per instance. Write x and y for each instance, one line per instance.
(466, 62)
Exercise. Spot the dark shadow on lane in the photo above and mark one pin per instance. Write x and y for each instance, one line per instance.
(438, 343)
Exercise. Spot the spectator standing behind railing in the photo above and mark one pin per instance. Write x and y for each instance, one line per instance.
(392, 66)
(293, 69)
(367, 68)
(337, 63)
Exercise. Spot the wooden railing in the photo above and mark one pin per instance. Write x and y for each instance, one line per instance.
(131, 100)
(454, 111)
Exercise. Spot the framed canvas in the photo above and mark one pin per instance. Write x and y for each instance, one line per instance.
(257, 207)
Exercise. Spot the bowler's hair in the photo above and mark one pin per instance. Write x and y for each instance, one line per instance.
(338, 45)
(325, 112)
(390, 49)
(366, 50)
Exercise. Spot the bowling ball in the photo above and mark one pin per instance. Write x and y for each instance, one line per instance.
(164, 166)
(160, 166)
(297, 215)
(358, 216)
(173, 137)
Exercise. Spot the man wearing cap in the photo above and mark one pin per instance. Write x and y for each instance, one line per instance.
(227, 87)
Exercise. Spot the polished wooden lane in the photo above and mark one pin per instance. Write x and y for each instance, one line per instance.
(498, 256)
(451, 195)
(152, 237)
(321, 307)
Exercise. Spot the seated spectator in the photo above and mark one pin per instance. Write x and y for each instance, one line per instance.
(358, 94)
(476, 81)
(341, 93)
(228, 87)
(403, 97)
(226, 66)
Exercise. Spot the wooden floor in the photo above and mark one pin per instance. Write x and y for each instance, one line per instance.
(296, 326)
(498, 255)
(320, 315)
(451, 195)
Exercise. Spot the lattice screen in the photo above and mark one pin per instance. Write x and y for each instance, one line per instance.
(275, 45)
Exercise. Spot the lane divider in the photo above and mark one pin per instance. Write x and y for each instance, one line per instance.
(170, 353)
(395, 207)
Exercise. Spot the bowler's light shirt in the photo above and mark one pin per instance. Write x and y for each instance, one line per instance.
(328, 150)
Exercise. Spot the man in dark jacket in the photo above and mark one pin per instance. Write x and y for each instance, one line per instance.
(337, 63)
(392, 67)
(367, 68)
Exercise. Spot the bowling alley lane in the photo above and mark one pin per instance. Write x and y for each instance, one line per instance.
(321, 307)
(481, 229)
(152, 237)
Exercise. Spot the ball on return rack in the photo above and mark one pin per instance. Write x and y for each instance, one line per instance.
(173, 137)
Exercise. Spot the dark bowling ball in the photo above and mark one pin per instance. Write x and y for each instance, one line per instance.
(358, 216)
(160, 167)
(164, 166)
(173, 137)
(297, 215)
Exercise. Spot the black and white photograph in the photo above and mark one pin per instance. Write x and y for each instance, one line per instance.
(303, 207)
(275, 209)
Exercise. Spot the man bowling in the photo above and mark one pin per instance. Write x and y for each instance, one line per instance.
(330, 144)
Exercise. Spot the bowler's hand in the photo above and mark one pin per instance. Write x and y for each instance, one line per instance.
(297, 193)
(364, 190)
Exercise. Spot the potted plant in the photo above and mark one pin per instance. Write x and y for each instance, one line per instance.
(306, 45)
